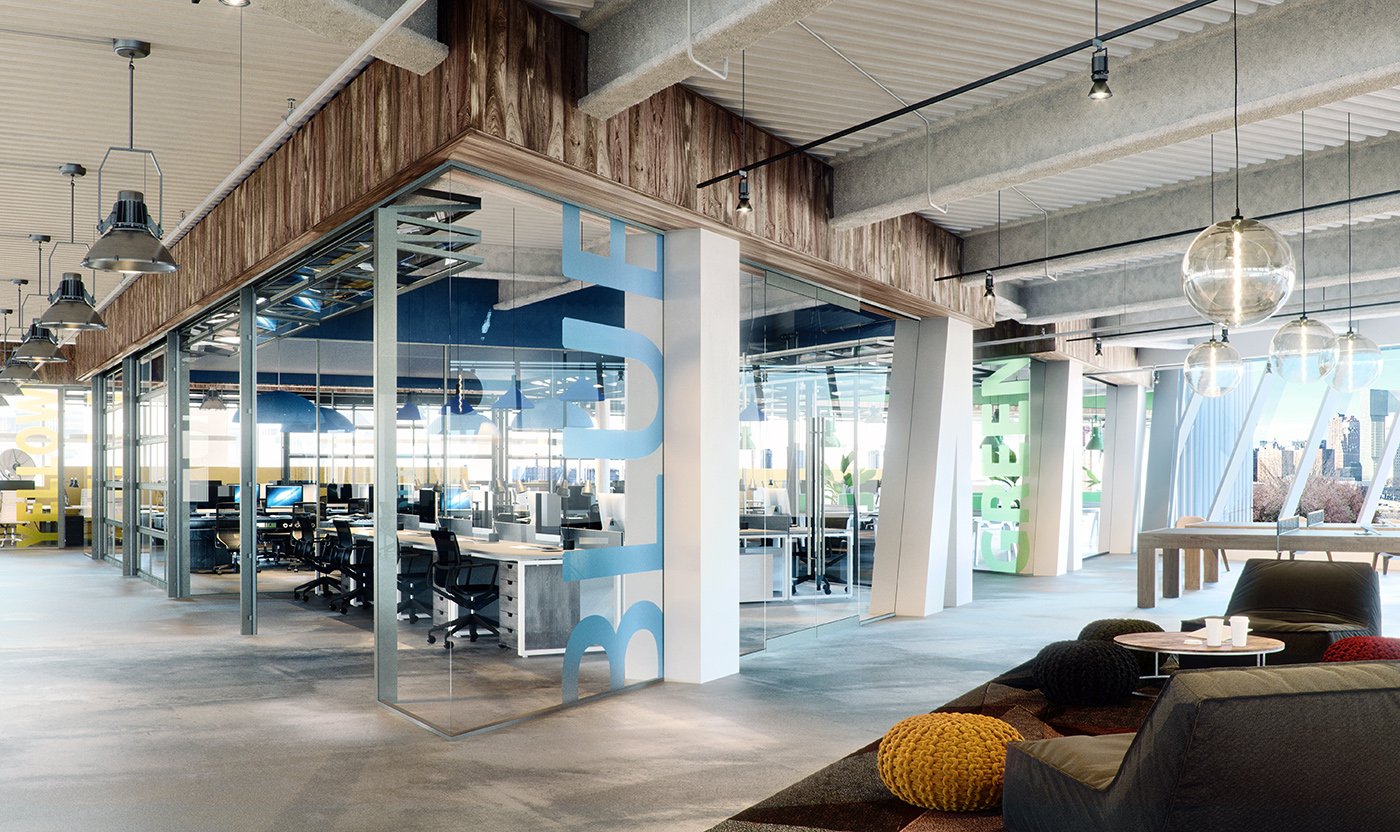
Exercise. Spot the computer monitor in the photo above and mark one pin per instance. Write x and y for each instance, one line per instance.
(283, 496)
(238, 493)
(456, 498)
(308, 494)
(347, 491)
(427, 506)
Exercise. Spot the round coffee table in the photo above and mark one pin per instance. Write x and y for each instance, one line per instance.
(1194, 643)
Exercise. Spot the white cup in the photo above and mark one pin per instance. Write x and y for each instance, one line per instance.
(1215, 631)
(1239, 630)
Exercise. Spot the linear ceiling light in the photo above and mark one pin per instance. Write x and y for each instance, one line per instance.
(130, 241)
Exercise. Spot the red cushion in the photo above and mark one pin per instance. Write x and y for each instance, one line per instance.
(1363, 649)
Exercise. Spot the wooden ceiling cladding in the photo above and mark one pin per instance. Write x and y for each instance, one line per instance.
(506, 93)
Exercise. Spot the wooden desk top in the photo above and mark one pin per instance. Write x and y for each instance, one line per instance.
(500, 550)
(1194, 643)
(1338, 537)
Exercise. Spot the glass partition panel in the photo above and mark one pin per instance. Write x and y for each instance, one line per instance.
(1091, 468)
(114, 464)
(1001, 395)
(813, 379)
(212, 451)
(151, 456)
(77, 466)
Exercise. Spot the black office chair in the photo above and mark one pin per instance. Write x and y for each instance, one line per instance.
(468, 582)
(415, 579)
(228, 538)
(313, 551)
(355, 559)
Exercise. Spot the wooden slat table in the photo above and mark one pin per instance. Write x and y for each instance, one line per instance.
(1262, 537)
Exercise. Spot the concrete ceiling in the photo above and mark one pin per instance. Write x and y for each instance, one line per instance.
(1070, 174)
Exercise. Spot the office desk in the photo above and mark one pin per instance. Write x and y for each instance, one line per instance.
(752, 575)
(537, 608)
(1260, 537)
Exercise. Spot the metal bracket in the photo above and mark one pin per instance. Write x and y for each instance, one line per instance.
(690, 48)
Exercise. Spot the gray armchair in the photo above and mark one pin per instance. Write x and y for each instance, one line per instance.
(1305, 604)
(1245, 750)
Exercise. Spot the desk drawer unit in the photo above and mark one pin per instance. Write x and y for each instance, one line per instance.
(537, 607)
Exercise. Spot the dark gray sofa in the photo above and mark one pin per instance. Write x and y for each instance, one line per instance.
(1267, 749)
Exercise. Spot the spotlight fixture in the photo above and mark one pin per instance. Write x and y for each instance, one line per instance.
(1098, 345)
(1238, 271)
(991, 287)
(130, 241)
(745, 206)
(1098, 73)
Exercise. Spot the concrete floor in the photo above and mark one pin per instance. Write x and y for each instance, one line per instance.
(121, 710)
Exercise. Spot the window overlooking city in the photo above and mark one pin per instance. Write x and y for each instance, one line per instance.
(1350, 454)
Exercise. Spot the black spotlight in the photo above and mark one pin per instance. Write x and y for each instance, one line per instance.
(1098, 73)
(991, 285)
(745, 206)
(1098, 345)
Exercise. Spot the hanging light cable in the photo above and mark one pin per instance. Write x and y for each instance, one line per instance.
(8, 387)
(1304, 350)
(1359, 359)
(130, 241)
(1237, 272)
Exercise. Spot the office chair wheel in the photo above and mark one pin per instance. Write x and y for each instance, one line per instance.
(412, 619)
(447, 645)
(432, 639)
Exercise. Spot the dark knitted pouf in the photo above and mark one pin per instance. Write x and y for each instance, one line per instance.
(1363, 649)
(1085, 673)
(1106, 628)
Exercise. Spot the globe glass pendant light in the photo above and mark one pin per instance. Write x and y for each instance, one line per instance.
(1213, 368)
(1238, 271)
(1305, 350)
(1359, 360)
(130, 241)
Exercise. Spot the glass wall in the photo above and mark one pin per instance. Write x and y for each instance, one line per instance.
(29, 469)
(77, 466)
(1091, 466)
(814, 379)
(113, 464)
(526, 447)
(1001, 397)
(151, 457)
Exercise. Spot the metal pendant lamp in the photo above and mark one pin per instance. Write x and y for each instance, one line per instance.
(584, 389)
(130, 241)
(18, 372)
(40, 344)
(72, 308)
(1239, 271)
(213, 401)
(409, 412)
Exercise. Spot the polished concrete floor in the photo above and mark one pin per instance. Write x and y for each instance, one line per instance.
(121, 710)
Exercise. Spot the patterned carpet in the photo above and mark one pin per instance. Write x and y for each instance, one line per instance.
(847, 796)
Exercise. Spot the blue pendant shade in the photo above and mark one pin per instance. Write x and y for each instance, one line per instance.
(582, 390)
(514, 398)
(409, 412)
(278, 407)
(451, 422)
(552, 414)
(458, 406)
(332, 421)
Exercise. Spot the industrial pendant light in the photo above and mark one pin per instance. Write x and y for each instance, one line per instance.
(213, 401)
(71, 308)
(1098, 65)
(40, 345)
(13, 374)
(1358, 357)
(409, 412)
(1213, 368)
(1238, 271)
(1305, 350)
(130, 241)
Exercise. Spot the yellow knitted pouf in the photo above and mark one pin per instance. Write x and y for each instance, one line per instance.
(949, 762)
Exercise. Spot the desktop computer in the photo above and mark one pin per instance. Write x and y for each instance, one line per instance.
(282, 496)
(456, 498)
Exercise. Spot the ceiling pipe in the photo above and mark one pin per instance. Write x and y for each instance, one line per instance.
(312, 104)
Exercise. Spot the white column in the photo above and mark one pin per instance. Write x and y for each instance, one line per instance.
(1057, 487)
(924, 546)
(1125, 426)
(701, 503)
